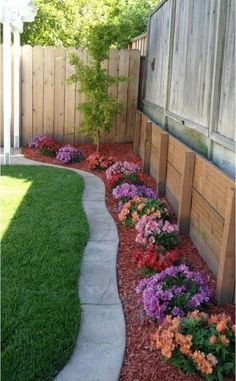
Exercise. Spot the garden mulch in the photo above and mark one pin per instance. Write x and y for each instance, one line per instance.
(141, 362)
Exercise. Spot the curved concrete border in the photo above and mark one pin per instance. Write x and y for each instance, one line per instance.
(99, 351)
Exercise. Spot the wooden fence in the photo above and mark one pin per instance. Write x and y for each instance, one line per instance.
(190, 75)
(140, 43)
(201, 195)
(48, 104)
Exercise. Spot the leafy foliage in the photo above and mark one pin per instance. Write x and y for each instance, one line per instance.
(69, 22)
(99, 109)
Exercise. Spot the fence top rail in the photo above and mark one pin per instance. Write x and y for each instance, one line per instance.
(139, 37)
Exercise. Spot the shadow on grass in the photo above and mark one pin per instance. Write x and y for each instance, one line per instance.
(41, 256)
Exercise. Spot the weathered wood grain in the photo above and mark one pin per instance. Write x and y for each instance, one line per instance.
(26, 94)
(48, 88)
(38, 53)
(59, 96)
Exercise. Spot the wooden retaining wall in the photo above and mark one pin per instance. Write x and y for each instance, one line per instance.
(48, 103)
(201, 195)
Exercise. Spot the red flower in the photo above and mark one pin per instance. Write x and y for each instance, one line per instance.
(153, 260)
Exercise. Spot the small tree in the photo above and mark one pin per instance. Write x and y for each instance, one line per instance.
(99, 109)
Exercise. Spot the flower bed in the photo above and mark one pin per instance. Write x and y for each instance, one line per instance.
(198, 343)
(141, 362)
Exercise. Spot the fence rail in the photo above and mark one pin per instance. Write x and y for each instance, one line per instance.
(139, 43)
(201, 195)
(48, 103)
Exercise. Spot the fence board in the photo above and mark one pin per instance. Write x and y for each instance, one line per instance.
(113, 70)
(70, 97)
(26, 94)
(133, 84)
(38, 52)
(122, 96)
(80, 98)
(226, 122)
(59, 96)
(48, 104)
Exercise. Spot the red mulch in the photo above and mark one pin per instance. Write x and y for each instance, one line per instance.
(141, 363)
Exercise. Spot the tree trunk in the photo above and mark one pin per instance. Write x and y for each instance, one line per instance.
(98, 141)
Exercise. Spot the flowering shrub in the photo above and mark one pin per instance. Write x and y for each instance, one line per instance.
(132, 178)
(68, 153)
(121, 167)
(34, 143)
(126, 191)
(150, 261)
(198, 343)
(49, 147)
(98, 161)
(175, 291)
(134, 209)
(151, 231)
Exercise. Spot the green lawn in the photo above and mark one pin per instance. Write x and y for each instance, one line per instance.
(44, 232)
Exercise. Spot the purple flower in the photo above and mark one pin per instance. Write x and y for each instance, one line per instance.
(34, 143)
(160, 298)
(68, 153)
(121, 167)
(129, 191)
(177, 312)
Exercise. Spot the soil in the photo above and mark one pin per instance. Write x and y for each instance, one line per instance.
(141, 362)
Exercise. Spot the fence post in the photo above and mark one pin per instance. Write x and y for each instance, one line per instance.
(138, 119)
(226, 275)
(162, 163)
(186, 192)
(147, 147)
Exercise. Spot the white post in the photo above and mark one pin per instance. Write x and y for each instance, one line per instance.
(7, 90)
(16, 89)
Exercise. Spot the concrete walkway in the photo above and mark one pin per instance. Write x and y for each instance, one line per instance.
(100, 347)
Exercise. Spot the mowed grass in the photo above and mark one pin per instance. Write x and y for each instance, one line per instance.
(44, 232)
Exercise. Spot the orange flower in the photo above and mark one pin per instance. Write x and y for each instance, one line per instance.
(212, 359)
(202, 364)
(213, 339)
(215, 319)
(221, 326)
(224, 340)
(206, 367)
(184, 342)
(135, 217)
(141, 206)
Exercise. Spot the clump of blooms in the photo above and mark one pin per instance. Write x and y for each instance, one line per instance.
(98, 161)
(198, 343)
(132, 178)
(121, 167)
(151, 231)
(174, 291)
(34, 143)
(134, 209)
(49, 147)
(68, 153)
(151, 261)
(126, 191)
